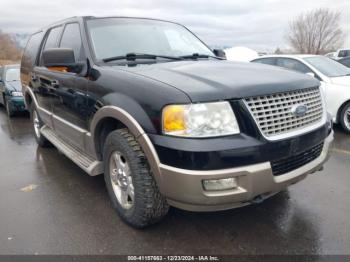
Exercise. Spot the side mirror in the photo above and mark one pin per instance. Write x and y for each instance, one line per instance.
(311, 74)
(61, 59)
(219, 53)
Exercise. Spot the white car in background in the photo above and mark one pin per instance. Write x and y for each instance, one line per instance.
(334, 77)
(341, 53)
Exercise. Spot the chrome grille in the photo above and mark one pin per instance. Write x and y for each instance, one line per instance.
(273, 113)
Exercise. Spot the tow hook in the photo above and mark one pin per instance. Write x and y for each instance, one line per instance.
(258, 199)
(317, 170)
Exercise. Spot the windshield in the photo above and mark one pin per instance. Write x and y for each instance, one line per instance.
(328, 66)
(12, 74)
(112, 37)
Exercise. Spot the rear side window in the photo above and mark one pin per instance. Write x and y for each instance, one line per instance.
(266, 61)
(344, 53)
(71, 38)
(293, 64)
(31, 50)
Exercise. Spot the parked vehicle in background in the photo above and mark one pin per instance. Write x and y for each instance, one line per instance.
(345, 61)
(335, 79)
(341, 53)
(11, 89)
(167, 121)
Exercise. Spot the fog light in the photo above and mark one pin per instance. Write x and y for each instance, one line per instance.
(220, 184)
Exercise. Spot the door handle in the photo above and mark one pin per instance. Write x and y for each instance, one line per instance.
(33, 77)
(55, 84)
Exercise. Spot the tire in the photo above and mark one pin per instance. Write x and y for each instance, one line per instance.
(9, 112)
(345, 118)
(37, 124)
(127, 172)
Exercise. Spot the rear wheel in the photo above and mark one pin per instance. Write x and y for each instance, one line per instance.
(130, 183)
(345, 118)
(37, 125)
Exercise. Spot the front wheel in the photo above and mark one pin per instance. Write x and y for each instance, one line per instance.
(9, 111)
(130, 183)
(345, 118)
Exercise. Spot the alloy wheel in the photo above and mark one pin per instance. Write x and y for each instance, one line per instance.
(347, 118)
(121, 179)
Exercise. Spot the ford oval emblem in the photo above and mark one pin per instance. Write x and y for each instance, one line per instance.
(299, 110)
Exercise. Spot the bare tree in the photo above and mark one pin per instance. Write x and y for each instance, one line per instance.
(8, 49)
(316, 32)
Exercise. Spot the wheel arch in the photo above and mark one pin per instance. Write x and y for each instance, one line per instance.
(29, 97)
(341, 109)
(110, 118)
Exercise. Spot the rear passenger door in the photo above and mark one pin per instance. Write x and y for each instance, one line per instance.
(69, 100)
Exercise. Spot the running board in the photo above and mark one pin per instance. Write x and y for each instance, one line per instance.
(85, 162)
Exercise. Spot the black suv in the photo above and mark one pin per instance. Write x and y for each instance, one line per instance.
(168, 121)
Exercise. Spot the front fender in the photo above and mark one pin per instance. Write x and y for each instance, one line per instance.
(336, 97)
(134, 109)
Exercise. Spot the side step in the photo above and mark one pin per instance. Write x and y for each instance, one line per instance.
(87, 163)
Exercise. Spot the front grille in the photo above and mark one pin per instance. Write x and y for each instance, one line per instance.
(288, 164)
(273, 113)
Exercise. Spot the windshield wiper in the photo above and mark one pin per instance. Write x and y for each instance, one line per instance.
(134, 56)
(196, 56)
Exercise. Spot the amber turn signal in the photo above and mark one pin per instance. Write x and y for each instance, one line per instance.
(174, 119)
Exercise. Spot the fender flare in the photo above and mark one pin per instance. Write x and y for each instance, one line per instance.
(28, 91)
(136, 130)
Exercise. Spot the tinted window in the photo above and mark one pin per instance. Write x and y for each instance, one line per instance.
(31, 51)
(293, 64)
(51, 40)
(71, 38)
(266, 61)
(344, 53)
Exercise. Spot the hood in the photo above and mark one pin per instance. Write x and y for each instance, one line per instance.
(342, 80)
(14, 86)
(211, 80)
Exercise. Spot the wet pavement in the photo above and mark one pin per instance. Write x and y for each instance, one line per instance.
(64, 211)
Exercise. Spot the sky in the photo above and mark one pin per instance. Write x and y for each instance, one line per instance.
(258, 24)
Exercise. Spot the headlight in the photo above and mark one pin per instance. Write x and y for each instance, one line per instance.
(16, 93)
(200, 120)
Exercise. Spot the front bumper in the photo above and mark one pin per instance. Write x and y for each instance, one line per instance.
(16, 104)
(183, 188)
